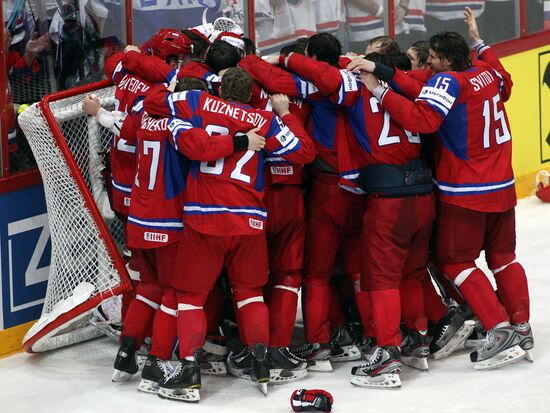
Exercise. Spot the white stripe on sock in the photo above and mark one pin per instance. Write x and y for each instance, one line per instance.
(284, 287)
(463, 275)
(258, 299)
(147, 301)
(499, 269)
(168, 310)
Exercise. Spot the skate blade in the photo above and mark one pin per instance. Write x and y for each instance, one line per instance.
(510, 355)
(262, 387)
(214, 368)
(282, 376)
(120, 376)
(383, 381)
(180, 395)
(457, 340)
(528, 355)
(419, 363)
(323, 366)
(148, 386)
(351, 353)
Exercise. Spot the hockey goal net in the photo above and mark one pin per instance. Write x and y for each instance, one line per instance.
(86, 238)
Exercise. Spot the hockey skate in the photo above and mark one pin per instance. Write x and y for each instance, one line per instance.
(125, 361)
(213, 358)
(316, 354)
(251, 365)
(527, 343)
(476, 339)
(285, 367)
(343, 347)
(501, 347)
(449, 334)
(184, 383)
(415, 350)
(366, 346)
(155, 371)
(381, 370)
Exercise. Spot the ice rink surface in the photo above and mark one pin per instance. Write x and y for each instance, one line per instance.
(78, 379)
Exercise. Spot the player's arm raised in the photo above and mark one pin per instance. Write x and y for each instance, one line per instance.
(150, 68)
(286, 137)
(161, 101)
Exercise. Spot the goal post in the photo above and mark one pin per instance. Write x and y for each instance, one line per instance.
(86, 265)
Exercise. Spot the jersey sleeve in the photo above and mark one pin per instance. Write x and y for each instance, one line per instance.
(409, 84)
(276, 80)
(196, 144)
(149, 68)
(432, 106)
(161, 102)
(339, 85)
(486, 54)
(289, 141)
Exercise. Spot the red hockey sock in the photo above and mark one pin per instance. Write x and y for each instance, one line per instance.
(412, 305)
(191, 324)
(316, 313)
(213, 308)
(282, 304)
(362, 298)
(478, 292)
(253, 317)
(164, 326)
(513, 290)
(335, 310)
(435, 309)
(139, 318)
(386, 315)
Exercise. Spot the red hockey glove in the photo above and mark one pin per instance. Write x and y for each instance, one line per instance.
(311, 401)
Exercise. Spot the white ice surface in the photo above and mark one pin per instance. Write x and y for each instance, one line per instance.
(78, 379)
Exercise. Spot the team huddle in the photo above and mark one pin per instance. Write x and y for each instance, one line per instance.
(243, 181)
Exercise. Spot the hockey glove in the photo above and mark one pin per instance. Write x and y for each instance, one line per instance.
(311, 401)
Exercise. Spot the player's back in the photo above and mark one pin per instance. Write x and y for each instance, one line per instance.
(475, 154)
(155, 217)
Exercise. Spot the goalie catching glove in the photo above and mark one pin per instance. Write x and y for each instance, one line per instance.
(311, 401)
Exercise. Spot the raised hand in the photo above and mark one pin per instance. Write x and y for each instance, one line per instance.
(280, 104)
(470, 20)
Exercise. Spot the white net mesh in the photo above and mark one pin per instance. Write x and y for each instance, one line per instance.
(82, 267)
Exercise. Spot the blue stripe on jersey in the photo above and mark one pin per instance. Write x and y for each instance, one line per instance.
(171, 224)
(274, 127)
(376, 24)
(195, 208)
(170, 105)
(192, 99)
(449, 7)
(454, 131)
(172, 76)
(323, 121)
(473, 188)
(120, 187)
(176, 167)
(357, 121)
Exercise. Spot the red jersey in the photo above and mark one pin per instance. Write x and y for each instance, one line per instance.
(155, 217)
(376, 139)
(474, 159)
(129, 93)
(327, 120)
(225, 197)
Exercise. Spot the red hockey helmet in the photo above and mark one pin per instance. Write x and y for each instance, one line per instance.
(543, 186)
(169, 42)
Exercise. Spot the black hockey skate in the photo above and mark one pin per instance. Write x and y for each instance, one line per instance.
(415, 350)
(343, 347)
(449, 334)
(251, 364)
(381, 370)
(316, 354)
(125, 361)
(502, 346)
(527, 343)
(184, 382)
(155, 371)
(285, 366)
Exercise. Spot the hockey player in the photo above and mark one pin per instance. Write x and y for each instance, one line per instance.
(464, 102)
(224, 227)
(375, 160)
